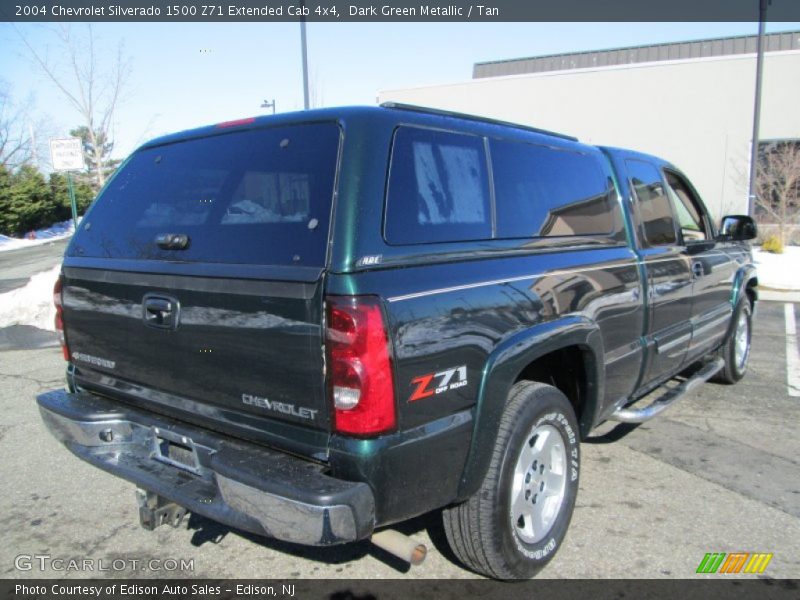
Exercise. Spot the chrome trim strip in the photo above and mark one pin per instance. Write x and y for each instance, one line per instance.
(469, 286)
(623, 351)
(671, 344)
(711, 325)
(722, 309)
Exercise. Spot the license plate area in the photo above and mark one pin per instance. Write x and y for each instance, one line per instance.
(175, 450)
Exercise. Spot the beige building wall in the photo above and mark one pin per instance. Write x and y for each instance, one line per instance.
(695, 113)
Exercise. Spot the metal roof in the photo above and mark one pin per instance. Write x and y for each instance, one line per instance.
(729, 46)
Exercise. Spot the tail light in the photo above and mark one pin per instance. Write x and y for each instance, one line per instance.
(57, 300)
(360, 371)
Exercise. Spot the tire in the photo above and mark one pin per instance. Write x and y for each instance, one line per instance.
(736, 349)
(494, 532)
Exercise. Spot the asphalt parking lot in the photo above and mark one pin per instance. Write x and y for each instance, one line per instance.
(719, 472)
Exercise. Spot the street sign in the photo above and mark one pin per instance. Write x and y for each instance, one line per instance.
(67, 154)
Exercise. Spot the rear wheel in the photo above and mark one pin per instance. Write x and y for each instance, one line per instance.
(513, 525)
(736, 349)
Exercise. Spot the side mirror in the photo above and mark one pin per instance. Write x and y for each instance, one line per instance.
(737, 228)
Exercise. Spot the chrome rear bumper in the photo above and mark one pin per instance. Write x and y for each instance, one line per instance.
(246, 486)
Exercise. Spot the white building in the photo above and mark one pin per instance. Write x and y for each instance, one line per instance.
(690, 103)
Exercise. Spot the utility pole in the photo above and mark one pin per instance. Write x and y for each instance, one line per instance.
(751, 193)
(304, 51)
(271, 105)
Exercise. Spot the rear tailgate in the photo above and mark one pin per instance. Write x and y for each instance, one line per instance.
(195, 283)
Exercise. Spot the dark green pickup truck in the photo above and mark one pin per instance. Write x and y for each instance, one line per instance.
(314, 325)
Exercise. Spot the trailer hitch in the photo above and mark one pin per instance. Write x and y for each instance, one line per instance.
(155, 510)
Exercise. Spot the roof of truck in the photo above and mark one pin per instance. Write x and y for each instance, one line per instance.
(399, 112)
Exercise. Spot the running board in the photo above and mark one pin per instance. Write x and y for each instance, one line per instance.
(640, 415)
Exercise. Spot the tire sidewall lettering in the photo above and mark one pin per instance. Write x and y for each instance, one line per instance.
(541, 550)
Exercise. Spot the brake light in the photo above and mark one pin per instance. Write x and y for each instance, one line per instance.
(235, 123)
(360, 371)
(58, 301)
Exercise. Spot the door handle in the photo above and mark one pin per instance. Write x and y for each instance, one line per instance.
(697, 269)
(160, 311)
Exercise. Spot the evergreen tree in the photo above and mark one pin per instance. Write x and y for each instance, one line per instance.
(30, 204)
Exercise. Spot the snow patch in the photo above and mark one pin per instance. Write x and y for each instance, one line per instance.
(31, 304)
(778, 271)
(41, 236)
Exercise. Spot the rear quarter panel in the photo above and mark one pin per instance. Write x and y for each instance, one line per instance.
(465, 318)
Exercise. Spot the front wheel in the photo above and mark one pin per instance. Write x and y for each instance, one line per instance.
(513, 525)
(736, 349)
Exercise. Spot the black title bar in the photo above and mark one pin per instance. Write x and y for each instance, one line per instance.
(331, 11)
(732, 588)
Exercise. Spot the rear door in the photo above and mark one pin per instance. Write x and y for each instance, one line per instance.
(668, 272)
(195, 283)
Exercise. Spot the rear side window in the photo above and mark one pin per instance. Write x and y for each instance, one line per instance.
(652, 203)
(438, 188)
(260, 196)
(542, 192)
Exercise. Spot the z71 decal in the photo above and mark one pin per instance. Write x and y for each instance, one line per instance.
(438, 383)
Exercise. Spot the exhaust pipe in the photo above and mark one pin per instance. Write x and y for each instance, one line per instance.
(401, 546)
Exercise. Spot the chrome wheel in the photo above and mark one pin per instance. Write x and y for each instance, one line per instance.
(741, 348)
(529, 489)
(540, 478)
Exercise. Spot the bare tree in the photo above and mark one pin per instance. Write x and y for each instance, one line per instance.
(315, 91)
(778, 183)
(16, 144)
(92, 91)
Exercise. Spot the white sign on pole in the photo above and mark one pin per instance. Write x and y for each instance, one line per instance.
(67, 154)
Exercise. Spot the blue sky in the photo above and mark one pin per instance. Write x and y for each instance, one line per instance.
(186, 75)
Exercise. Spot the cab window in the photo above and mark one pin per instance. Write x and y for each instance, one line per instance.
(652, 205)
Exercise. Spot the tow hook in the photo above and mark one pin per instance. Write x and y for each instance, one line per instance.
(401, 546)
(155, 510)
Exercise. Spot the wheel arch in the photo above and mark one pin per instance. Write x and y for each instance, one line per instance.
(745, 283)
(509, 363)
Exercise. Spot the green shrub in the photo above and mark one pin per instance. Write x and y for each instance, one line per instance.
(772, 244)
